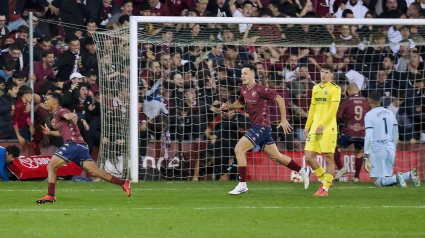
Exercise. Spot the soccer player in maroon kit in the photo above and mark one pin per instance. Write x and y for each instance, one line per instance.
(256, 97)
(74, 149)
(352, 111)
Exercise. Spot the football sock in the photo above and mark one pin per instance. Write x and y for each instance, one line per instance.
(327, 181)
(51, 189)
(242, 174)
(293, 166)
(117, 181)
(337, 159)
(386, 181)
(406, 176)
(358, 164)
(319, 172)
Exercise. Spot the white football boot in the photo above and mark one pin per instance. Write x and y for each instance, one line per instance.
(239, 189)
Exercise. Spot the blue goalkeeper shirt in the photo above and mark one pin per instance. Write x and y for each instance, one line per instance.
(4, 173)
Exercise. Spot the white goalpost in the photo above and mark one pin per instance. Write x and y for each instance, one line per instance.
(137, 35)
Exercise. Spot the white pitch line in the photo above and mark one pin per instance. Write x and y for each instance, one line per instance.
(166, 189)
(208, 208)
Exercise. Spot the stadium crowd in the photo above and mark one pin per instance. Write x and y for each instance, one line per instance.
(182, 87)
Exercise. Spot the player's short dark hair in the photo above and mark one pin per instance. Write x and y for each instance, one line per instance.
(24, 89)
(328, 67)
(13, 150)
(250, 67)
(375, 96)
(57, 97)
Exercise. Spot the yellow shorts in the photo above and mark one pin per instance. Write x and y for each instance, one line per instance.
(323, 143)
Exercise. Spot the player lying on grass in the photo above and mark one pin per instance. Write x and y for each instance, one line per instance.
(74, 149)
(256, 97)
(321, 127)
(380, 146)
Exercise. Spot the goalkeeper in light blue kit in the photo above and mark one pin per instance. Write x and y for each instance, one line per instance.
(380, 146)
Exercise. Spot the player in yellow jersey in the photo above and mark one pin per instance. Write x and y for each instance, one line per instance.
(321, 127)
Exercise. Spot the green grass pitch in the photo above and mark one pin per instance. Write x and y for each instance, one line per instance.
(204, 209)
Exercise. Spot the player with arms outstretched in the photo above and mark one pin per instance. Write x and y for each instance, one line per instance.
(256, 97)
(380, 146)
(321, 129)
(74, 149)
(351, 113)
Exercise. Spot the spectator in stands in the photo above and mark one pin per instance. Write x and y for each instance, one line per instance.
(178, 7)
(390, 10)
(201, 6)
(4, 33)
(383, 86)
(219, 8)
(357, 8)
(19, 78)
(89, 56)
(413, 105)
(2, 85)
(75, 13)
(415, 11)
(126, 9)
(246, 12)
(105, 12)
(6, 157)
(7, 108)
(14, 52)
(8, 69)
(71, 91)
(151, 74)
(42, 71)
(91, 80)
(69, 62)
(37, 32)
(22, 124)
(158, 8)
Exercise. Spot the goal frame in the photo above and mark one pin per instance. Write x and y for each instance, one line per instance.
(134, 71)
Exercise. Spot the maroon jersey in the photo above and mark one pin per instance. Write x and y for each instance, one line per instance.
(352, 110)
(256, 100)
(67, 129)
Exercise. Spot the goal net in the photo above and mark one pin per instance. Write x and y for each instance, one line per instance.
(163, 80)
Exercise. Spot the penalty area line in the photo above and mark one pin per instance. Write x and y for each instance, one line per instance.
(210, 208)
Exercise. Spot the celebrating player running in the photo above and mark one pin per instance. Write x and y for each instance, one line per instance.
(74, 149)
(256, 97)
